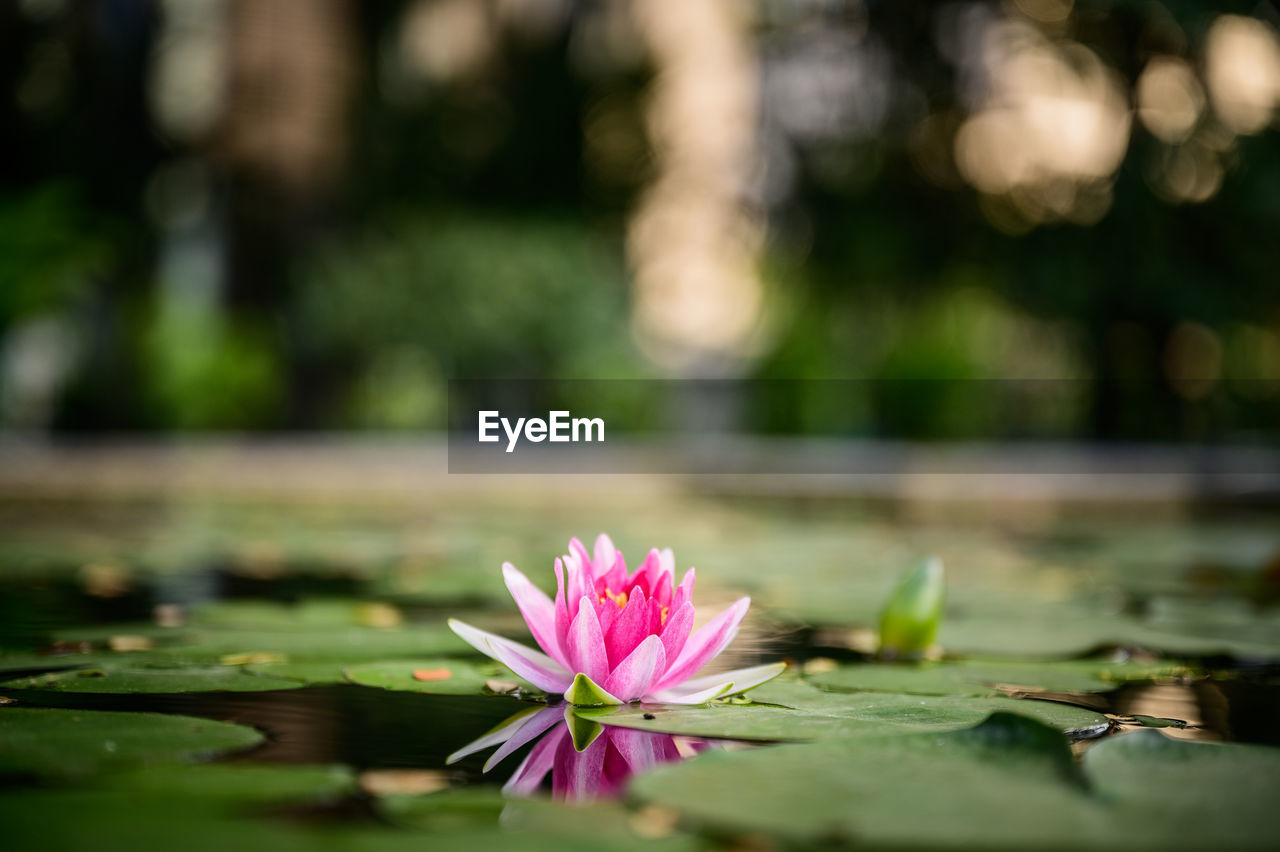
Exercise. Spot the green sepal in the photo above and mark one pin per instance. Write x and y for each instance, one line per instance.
(584, 692)
(584, 731)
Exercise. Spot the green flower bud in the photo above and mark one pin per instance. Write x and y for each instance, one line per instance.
(910, 619)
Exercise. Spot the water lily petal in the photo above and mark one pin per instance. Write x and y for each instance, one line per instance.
(607, 613)
(705, 644)
(647, 573)
(538, 611)
(631, 677)
(500, 734)
(679, 695)
(528, 776)
(534, 666)
(616, 578)
(742, 680)
(584, 646)
(641, 750)
(531, 729)
(577, 580)
(611, 566)
(578, 553)
(561, 605)
(702, 689)
(665, 576)
(684, 592)
(627, 627)
(676, 631)
(604, 553)
(578, 774)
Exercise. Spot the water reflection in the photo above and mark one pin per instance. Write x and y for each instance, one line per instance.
(584, 759)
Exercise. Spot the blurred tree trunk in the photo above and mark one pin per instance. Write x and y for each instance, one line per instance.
(284, 136)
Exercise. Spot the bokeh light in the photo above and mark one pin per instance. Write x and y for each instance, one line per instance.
(692, 243)
(1170, 98)
(1242, 59)
(1050, 131)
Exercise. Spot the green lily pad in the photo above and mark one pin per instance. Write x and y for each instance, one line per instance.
(208, 807)
(980, 677)
(75, 743)
(321, 631)
(465, 808)
(235, 783)
(469, 818)
(1207, 795)
(1002, 625)
(795, 711)
(307, 673)
(21, 662)
(1008, 783)
(1004, 783)
(337, 645)
(214, 808)
(121, 821)
(267, 615)
(122, 679)
(442, 675)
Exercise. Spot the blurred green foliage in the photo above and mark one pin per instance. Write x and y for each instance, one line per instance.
(475, 228)
(421, 298)
(49, 247)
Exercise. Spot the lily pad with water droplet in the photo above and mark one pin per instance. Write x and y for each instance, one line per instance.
(75, 743)
(442, 675)
(792, 710)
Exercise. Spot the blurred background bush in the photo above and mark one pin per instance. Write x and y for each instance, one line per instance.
(301, 214)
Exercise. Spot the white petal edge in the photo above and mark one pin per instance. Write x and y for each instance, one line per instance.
(680, 696)
(529, 731)
(700, 690)
(503, 732)
(534, 666)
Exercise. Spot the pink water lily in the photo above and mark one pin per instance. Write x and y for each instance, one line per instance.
(611, 637)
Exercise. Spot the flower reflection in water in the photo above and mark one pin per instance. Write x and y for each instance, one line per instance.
(586, 760)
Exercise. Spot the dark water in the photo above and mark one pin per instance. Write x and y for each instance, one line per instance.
(363, 727)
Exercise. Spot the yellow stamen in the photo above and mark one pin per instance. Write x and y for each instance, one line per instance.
(619, 599)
